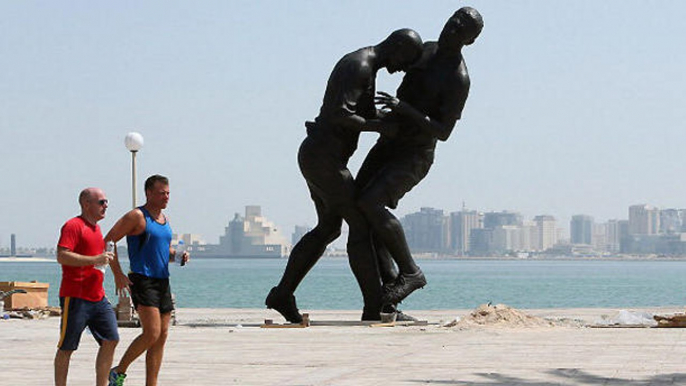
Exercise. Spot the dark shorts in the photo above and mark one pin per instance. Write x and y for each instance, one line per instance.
(151, 292)
(327, 174)
(394, 171)
(77, 314)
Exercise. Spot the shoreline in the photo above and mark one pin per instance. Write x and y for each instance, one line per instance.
(27, 260)
(42, 259)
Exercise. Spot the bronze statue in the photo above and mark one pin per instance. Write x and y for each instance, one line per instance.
(429, 103)
(348, 108)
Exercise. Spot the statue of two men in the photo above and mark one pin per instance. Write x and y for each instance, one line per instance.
(427, 105)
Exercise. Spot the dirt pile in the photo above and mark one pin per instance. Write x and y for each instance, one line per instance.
(499, 315)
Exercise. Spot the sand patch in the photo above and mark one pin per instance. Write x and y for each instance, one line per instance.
(499, 315)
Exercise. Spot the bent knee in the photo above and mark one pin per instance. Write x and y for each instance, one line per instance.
(150, 337)
(327, 232)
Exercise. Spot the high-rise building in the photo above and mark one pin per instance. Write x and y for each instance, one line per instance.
(671, 221)
(546, 232)
(13, 244)
(613, 236)
(461, 225)
(581, 229)
(481, 242)
(599, 239)
(495, 219)
(528, 234)
(426, 230)
(507, 238)
(644, 220)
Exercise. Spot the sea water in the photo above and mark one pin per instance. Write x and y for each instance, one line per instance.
(452, 284)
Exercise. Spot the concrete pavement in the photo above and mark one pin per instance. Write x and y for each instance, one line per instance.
(208, 347)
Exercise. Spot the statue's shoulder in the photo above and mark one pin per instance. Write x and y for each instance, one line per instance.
(428, 51)
(356, 62)
(430, 48)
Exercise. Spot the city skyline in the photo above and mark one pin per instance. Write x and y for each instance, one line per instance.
(647, 231)
(564, 228)
(574, 107)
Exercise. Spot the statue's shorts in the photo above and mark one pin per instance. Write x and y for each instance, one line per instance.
(395, 171)
(327, 175)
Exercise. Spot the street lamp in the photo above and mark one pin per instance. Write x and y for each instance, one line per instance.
(133, 142)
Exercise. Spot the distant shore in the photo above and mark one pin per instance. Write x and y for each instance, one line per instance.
(26, 259)
(36, 259)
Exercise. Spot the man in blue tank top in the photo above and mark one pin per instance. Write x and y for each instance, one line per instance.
(148, 237)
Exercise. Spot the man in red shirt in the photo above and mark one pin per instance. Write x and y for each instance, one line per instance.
(81, 252)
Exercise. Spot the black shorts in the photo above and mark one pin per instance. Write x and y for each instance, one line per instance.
(327, 175)
(151, 292)
(395, 171)
(77, 314)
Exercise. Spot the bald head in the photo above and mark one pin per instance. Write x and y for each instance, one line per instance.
(402, 48)
(87, 194)
(462, 29)
(405, 37)
(473, 20)
(93, 204)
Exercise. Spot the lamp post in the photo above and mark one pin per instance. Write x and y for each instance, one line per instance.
(133, 142)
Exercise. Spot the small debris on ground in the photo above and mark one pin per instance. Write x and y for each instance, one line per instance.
(26, 313)
(625, 318)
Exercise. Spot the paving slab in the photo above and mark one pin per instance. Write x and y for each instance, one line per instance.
(227, 347)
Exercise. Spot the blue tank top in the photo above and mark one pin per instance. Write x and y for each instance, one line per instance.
(149, 251)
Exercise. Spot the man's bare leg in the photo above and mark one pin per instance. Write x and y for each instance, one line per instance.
(151, 321)
(103, 362)
(153, 358)
(62, 366)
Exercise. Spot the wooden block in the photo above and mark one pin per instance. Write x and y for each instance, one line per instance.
(269, 323)
(36, 296)
(671, 321)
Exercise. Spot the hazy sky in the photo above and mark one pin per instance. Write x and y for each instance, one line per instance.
(576, 107)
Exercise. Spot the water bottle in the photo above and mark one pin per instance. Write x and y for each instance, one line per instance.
(109, 247)
(180, 249)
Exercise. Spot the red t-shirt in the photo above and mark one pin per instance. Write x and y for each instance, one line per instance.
(79, 236)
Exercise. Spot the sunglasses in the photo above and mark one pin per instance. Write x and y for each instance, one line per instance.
(102, 202)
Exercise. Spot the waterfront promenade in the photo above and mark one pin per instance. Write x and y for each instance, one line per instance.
(226, 347)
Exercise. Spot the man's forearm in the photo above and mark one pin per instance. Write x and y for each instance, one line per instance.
(73, 259)
(116, 267)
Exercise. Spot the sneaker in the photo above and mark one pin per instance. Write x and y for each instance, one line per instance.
(404, 285)
(402, 317)
(399, 315)
(285, 306)
(116, 379)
